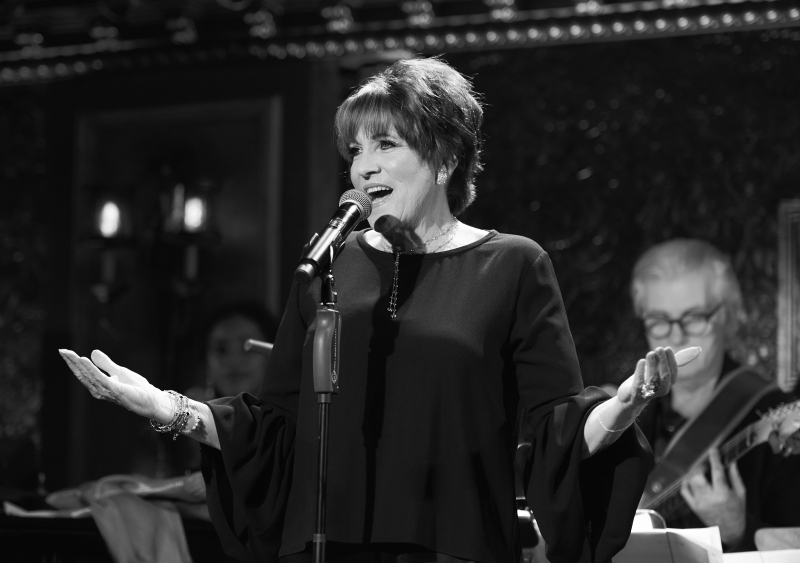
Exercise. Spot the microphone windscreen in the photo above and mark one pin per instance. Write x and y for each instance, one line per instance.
(361, 199)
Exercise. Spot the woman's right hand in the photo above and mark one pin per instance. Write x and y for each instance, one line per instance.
(121, 386)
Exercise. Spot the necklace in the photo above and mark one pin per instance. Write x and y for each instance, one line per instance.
(392, 309)
(442, 232)
(448, 241)
(393, 298)
(450, 227)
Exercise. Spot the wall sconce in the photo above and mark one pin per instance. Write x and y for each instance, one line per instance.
(111, 230)
(117, 234)
(189, 222)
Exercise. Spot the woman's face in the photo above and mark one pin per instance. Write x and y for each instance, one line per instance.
(402, 185)
(687, 294)
(229, 368)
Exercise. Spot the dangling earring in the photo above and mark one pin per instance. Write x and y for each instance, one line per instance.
(441, 177)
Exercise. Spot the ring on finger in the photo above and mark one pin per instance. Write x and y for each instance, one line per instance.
(647, 390)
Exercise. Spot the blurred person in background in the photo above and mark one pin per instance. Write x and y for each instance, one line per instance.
(686, 293)
(229, 369)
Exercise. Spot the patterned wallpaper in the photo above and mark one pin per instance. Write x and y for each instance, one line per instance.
(595, 151)
(599, 151)
(22, 254)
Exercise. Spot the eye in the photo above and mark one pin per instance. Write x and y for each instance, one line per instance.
(387, 143)
(694, 320)
(353, 150)
(219, 348)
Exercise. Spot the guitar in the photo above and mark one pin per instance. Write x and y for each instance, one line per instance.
(779, 426)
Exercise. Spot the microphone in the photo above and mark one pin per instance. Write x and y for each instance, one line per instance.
(354, 207)
(257, 347)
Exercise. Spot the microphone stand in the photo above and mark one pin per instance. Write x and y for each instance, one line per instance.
(326, 383)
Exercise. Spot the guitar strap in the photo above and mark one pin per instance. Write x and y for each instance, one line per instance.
(733, 399)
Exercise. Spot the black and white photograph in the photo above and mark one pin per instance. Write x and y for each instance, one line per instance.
(400, 281)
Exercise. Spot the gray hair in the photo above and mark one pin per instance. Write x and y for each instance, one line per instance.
(675, 257)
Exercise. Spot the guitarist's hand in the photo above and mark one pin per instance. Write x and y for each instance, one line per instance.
(718, 503)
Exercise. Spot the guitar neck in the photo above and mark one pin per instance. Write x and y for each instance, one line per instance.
(739, 444)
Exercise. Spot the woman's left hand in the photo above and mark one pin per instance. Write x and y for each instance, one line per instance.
(654, 377)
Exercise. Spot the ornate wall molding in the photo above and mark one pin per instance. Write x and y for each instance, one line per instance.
(582, 22)
(789, 294)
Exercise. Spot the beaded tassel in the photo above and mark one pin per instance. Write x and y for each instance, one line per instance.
(393, 299)
(452, 228)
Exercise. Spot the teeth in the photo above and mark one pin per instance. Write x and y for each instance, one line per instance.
(378, 192)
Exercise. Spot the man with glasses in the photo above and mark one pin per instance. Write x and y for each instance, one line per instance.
(686, 294)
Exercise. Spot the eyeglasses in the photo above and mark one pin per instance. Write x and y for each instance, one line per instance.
(692, 324)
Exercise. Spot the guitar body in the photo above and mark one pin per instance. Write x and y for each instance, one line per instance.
(732, 401)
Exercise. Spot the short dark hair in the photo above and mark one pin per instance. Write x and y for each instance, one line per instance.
(432, 107)
(253, 311)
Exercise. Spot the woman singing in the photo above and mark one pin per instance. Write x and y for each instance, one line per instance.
(446, 329)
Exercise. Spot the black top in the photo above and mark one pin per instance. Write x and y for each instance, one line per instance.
(420, 447)
(772, 481)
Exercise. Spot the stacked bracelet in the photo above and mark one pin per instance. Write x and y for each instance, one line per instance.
(181, 413)
(196, 422)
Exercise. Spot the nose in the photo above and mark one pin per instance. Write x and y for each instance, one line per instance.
(366, 165)
(677, 337)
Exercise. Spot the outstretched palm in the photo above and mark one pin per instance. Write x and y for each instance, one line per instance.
(121, 386)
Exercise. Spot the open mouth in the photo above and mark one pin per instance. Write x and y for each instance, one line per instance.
(379, 194)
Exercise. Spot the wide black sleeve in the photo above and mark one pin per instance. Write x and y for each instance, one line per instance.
(584, 509)
(249, 477)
